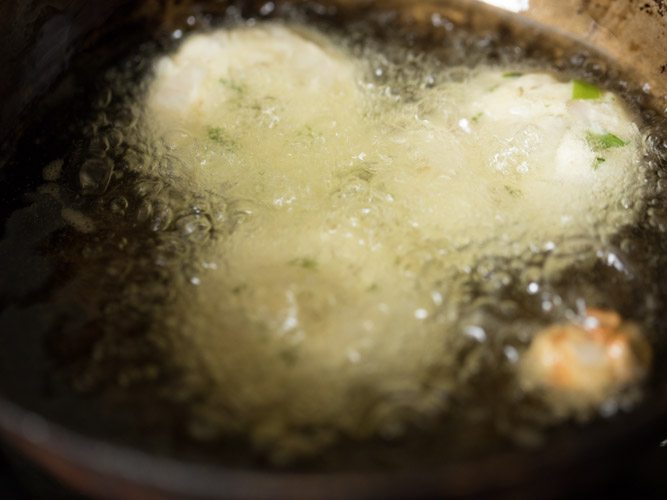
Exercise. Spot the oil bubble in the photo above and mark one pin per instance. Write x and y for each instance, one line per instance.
(95, 175)
(119, 205)
(194, 227)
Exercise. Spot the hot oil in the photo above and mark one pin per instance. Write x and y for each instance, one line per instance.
(145, 251)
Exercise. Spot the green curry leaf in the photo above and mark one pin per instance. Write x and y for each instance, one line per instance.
(585, 90)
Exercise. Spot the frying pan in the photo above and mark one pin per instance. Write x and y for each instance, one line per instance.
(42, 38)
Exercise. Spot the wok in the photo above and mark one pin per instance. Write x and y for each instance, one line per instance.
(41, 38)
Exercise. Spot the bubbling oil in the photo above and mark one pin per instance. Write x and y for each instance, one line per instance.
(352, 242)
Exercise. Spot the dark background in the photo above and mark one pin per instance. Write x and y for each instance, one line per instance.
(19, 480)
(644, 479)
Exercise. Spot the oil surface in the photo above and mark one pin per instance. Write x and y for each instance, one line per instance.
(362, 261)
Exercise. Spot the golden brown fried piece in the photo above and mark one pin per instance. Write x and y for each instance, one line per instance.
(579, 366)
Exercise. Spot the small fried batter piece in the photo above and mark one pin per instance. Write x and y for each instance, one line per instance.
(578, 366)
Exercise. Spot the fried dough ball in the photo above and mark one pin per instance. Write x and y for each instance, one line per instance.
(579, 366)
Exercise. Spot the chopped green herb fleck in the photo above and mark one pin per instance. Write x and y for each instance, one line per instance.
(476, 118)
(256, 106)
(512, 74)
(598, 161)
(366, 174)
(374, 287)
(585, 90)
(217, 135)
(305, 262)
(601, 142)
(513, 192)
(309, 133)
(259, 105)
(232, 85)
